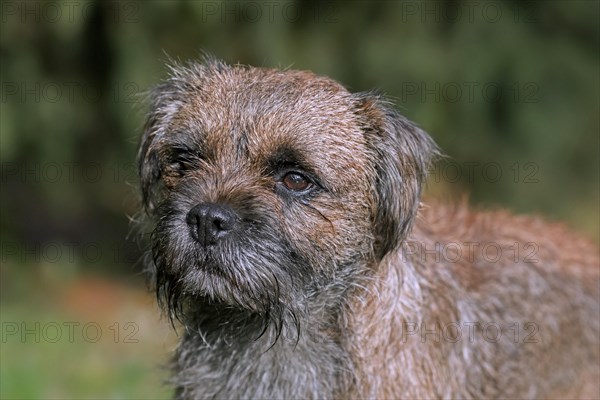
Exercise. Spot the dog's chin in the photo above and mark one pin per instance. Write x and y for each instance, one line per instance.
(222, 283)
(190, 276)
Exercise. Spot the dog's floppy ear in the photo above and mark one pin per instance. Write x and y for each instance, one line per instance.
(402, 154)
(163, 104)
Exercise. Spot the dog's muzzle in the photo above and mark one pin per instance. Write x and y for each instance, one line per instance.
(211, 222)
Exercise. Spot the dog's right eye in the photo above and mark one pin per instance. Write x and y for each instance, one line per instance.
(179, 161)
(176, 167)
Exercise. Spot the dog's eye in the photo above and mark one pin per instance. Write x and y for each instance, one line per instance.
(177, 166)
(179, 161)
(296, 182)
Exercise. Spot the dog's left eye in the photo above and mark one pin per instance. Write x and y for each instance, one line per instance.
(296, 182)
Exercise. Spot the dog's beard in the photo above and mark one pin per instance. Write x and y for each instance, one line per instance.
(254, 270)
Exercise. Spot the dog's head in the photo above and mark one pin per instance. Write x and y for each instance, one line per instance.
(265, 185)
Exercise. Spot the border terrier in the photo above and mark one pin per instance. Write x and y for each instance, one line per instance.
(289, 239)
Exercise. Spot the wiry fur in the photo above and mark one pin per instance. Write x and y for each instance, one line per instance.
(311, 296)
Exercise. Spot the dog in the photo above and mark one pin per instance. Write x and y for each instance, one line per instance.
(289, 238)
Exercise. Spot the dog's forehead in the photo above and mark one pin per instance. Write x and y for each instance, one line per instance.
(255, 113)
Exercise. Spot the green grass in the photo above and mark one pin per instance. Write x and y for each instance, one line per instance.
(73, 367)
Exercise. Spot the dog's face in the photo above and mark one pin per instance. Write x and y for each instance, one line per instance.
(265, 186)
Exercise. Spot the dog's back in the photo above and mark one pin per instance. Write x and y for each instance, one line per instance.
(487, 305)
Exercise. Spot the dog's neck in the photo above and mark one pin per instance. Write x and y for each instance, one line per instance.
(301, 346)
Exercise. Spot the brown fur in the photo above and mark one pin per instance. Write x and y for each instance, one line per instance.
(557, 291)
(353, 289)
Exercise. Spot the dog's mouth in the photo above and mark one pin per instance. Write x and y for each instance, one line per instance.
(251, 266)
(209, 270)
(225, 273)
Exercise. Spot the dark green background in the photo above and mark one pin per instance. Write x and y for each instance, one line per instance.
(503, 87)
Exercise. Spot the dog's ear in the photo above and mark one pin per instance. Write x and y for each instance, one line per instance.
(402, 154)
(163, 104)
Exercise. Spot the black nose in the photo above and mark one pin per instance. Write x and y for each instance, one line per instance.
(211, 222)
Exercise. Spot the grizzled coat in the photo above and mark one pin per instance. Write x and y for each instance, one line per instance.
(349, 288)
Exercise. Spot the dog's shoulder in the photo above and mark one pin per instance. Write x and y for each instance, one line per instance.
(531, 237)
